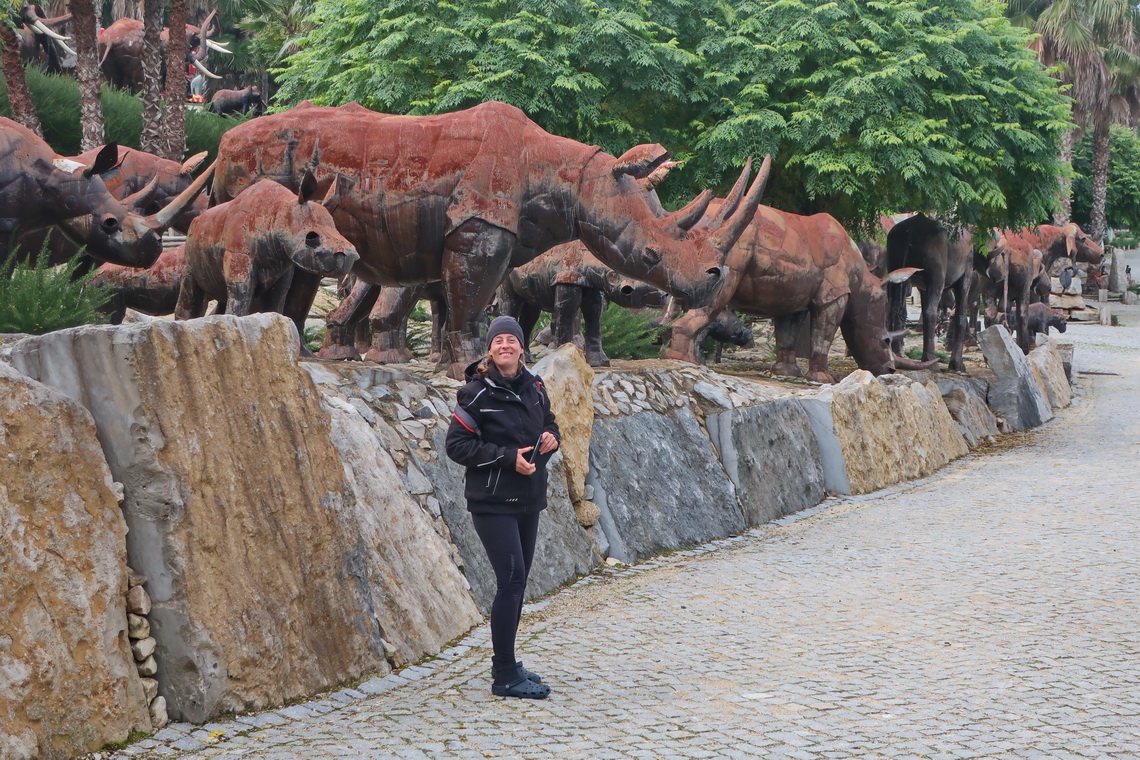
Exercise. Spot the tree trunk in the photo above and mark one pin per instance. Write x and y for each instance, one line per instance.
(1065, 191)
(1102, 144)
(175, 94)
(23, 111)
(153, 135)
(84, 24)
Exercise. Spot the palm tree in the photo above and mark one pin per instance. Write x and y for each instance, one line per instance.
(84, 22)
(152, 139)
(23, 111)
(1075, 37)
(175, 95)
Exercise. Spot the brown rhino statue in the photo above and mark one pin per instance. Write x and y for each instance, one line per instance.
(789, 267)
(460, 198)
(39, 188)
(244, 253)
(150, 290)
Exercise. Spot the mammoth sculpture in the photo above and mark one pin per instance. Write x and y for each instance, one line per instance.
(121, 50)
(39, 188)
(244, 253)
(132, 175)
(245, 100)
(946, 262)
(787, 267)
(461, 197)
(42, 39)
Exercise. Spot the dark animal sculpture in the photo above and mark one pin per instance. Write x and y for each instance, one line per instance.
(789, 267)
(136, 170)
(121, 49)
(946, 263)
(150, 290)
(42, 40)
(461, 197)
(1040, 317)
(36, 192)
(245, 100)
(244, 252)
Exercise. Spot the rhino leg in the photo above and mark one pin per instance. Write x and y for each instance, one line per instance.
(527, 315)
(824, 323)
(476, 257)
(930, 307)
(299, 302)
(191, 299)
(959, 324)
(786, 328)
(340, 326)
(438, 319)
(564, 318)
(593, 302)
(389, 321)
(241, 279)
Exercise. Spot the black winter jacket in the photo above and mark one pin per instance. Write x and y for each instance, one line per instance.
(490, 424)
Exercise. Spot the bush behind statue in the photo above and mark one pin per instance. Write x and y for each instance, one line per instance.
(37, 298)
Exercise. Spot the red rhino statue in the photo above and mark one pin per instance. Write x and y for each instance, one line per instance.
(786, 266)
(244, 253)
(40, 188)
(461, 197)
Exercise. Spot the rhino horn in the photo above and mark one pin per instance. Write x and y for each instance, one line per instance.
(729, 205)
(164, 218)
(142, 197)
(726, 236)
(192, 163)
(899, 276)
(686, 218)
(903, 362)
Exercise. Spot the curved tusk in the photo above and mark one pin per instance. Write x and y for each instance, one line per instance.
(202, 67)
(905, 363)
(219, 47)
(66, 49)
(40, 27)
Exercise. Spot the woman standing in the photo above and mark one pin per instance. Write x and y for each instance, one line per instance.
(503, 432)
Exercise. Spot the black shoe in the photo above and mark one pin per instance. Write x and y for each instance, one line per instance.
(512, 681)
(529, 674)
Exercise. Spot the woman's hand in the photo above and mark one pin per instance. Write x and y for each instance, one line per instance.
(522, 466)
(547, 443)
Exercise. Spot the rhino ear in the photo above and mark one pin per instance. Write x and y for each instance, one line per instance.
(105, 161)
(640, 161)
(332, 197)
(308, 188)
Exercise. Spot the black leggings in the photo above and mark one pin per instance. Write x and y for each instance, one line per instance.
(509, 541)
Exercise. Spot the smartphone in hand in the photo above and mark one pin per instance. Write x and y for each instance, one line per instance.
(532, 457)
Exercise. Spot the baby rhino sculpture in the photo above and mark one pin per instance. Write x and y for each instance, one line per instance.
(243, 253)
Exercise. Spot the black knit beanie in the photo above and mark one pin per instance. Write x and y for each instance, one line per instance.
(504, 324)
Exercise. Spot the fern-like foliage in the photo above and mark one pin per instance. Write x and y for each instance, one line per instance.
(629, 334)
(37, 298)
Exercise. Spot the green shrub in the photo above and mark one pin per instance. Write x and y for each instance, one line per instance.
(38, 298)
(629, 335)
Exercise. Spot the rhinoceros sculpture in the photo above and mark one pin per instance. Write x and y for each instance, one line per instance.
(786, 266)
(150, 290)
(39, 188)
(461, 197)
(244, 253)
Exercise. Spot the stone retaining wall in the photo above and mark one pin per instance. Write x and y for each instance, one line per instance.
(299, 527)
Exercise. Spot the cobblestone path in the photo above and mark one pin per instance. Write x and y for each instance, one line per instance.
(992, 610)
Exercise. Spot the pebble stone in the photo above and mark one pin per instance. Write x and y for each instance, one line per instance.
(989, 611)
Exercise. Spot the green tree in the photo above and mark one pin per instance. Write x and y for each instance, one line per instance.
(1122, 207)
(869, 107)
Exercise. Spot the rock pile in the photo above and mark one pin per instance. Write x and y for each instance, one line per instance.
(143, 645)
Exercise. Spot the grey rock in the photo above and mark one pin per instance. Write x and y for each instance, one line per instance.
(818, 410)
(974, 419)
(659, 484)
(1016, 394)
(713, 394)
(772, 457)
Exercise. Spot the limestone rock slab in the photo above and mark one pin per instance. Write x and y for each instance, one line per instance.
(892, 429)
(771, 456)
(68, 683)
(974, 419)
(1049, 373)
(659, 484)
(1016, 394)
(568, 381)
(234, 499)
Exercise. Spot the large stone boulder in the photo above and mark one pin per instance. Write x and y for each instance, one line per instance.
(68, 684)
(568, 381)
(771, 456)
(891, 429)
(974, 419)
(237, 503)
(659, 484)
(1015, 394)
(1048, 369)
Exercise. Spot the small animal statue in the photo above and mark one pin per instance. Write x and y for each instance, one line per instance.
(245, 100)
(1040, 318)
(243, 253)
